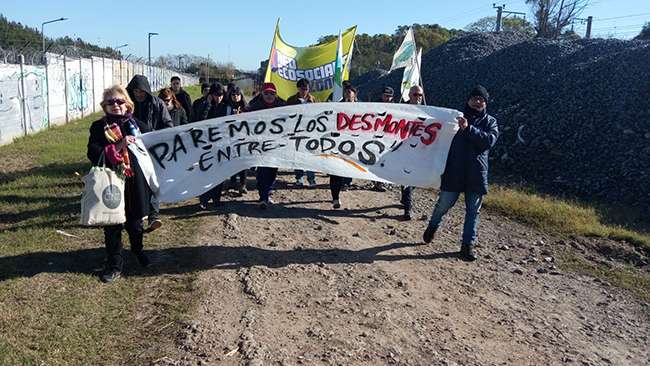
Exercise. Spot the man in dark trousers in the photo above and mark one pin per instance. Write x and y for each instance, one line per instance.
(467, 170)
(416, 96)
(301, 97)
(182, 96)
(266, 175)
(386, 97)
(151, 111)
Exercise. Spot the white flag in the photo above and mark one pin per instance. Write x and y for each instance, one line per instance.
(411, 75)
(338, 71)
(405, 52)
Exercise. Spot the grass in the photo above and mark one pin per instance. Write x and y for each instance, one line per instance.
(54, 310)
(570, 218)
(559, 216)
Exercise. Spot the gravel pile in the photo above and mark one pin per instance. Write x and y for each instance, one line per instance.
(574, 115)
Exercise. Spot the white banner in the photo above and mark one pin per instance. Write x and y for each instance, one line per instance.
(399, 143)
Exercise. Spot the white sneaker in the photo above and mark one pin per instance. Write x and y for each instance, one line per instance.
(336, 203)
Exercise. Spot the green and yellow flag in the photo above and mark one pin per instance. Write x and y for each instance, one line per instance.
(288, 64)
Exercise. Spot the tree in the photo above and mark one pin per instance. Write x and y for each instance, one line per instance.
(645, 32)
(552, 16)
(488, 24)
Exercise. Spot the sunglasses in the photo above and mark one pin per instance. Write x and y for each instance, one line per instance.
(167, 100)
(114, 101)
(417, 94)
(268, 93)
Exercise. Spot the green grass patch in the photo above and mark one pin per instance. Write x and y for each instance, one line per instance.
(559, 216)
(54, 309)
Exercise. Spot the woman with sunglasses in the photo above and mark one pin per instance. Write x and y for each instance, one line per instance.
(235, 104)
(176, 110)
(108, 142)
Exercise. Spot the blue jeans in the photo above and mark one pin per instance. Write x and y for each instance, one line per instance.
(301, 173)
(446, 200)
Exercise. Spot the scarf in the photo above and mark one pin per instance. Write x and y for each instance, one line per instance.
(113, 133)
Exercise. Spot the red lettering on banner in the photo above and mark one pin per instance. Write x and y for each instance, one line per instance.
(403, 127)
(432, 131)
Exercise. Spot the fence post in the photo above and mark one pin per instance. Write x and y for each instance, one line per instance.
(65, 87)
(92, 71)
(21, 59)
(47, 90)
(81, 89)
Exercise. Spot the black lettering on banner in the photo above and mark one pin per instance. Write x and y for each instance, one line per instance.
(253, 146)
(311, 125)
(243, 125)
(213, 132)
(178, 146)
(297, 126)
(323, 140)
(223, 155)
(312, 145)
(238, 147)
(322, 127)
(267, 145)
(298, 140)
(347, 147)
(371, 158)
(259, 128)
(196, 137)
(159, 157)
(276, 123)
(202, 160)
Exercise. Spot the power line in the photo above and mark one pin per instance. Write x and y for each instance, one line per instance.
(622, 17)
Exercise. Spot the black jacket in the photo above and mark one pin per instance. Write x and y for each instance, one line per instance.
(137, 193)
(178, 116)
(152, 111)
(196, 108)
(231, 106)
(186, 101)
(207, 110)
(467, 162)
(257, 103)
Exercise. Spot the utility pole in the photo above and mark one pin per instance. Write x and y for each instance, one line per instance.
(589, 21)
(149, 35)
(499, 15)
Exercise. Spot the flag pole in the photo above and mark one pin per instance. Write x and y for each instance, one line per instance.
(267, 74)
(417, 62)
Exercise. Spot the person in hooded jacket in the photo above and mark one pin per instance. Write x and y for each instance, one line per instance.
(212, 107)
(108, 141)
(266, 175)
(150, 110)
(467, 170)
(205, 89)
(174, 107)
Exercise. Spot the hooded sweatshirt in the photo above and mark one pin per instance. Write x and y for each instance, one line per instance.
(152, 111)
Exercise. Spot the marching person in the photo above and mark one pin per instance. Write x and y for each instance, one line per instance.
(467, 170)
(211, 107)
(266, 175)
(416, 96)
(182, 96)
(386, 97)
(336, 182)
(150, 110)
(235, 104)
(109, 138)
(301, 97)
(174, 107)
(205, 89)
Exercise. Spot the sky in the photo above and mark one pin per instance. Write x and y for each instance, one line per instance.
(241, 32)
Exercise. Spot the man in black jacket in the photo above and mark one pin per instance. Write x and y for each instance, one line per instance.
(467, 169)
(148, 108)
(152, 112)
(205, 89)
(182, 96)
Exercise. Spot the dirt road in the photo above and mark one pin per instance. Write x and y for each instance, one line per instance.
(303, 284)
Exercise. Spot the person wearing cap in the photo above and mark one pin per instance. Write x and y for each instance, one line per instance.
(416, 96)
(212, 107)
(205, 89)
(301, 97)
(386, 97)
(266, 175)
(467, 170)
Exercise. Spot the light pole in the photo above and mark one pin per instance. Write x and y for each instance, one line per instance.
(151, 34)
(43, 29)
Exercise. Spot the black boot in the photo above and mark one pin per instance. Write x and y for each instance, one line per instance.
(468, 253)
(143, 260)
(429, 234)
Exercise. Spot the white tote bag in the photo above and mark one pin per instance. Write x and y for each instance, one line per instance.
(102, 202)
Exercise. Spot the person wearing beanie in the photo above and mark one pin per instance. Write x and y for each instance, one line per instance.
(266, 175)
(467, 170)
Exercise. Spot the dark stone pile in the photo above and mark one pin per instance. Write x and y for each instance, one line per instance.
(582, 109)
